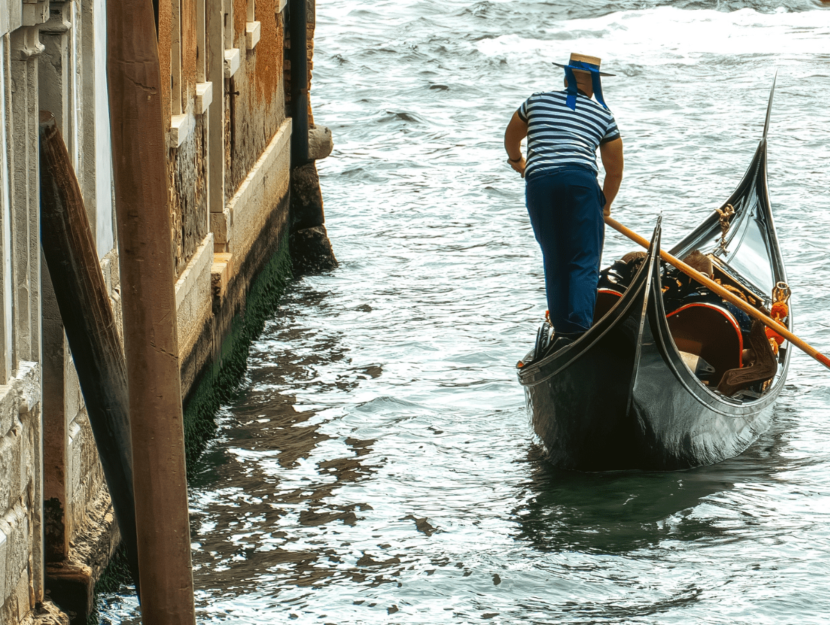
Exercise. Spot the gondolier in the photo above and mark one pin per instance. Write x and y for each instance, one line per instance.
(564, 200)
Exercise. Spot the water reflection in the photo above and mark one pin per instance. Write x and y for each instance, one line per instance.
(619, 512)
(261, 477)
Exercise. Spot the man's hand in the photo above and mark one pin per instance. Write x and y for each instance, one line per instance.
(606, 210)
(519, 165)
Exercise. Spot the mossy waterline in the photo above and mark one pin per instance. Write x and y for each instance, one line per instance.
(221, 379)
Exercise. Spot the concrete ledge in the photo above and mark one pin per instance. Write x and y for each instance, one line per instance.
(46, 613)
(238, 226)
(71, 583)
(211, 371)
(193, 295)
(220, 275)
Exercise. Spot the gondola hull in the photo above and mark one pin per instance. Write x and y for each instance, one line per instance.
(622, 397)
(680, 423)
(579, 398)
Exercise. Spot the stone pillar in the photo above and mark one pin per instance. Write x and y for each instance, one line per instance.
(26, 47)
(6, 175)
(26, 522)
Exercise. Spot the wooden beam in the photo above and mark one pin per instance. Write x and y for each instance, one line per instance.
(86, 312)
(149, 310)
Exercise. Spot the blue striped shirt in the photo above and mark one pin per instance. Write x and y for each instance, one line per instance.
(559, 137)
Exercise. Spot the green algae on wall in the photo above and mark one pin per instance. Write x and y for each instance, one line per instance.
(221, 379)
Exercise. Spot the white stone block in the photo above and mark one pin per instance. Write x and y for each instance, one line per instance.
(35, 13)
(27, 382)
(194, 296)
(252, 35)
(232, 61)
(180, 127)
(204, 96)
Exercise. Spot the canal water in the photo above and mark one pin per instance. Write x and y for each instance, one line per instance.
(378, 465)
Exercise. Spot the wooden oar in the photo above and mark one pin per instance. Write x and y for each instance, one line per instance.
(729, 297)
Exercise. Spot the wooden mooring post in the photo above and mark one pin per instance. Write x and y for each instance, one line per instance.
(89, 322)
(149, 309)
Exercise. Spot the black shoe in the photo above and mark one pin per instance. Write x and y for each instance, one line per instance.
(543, 341)
(563, 339)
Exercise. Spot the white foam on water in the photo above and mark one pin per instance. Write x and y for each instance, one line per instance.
(667, 35)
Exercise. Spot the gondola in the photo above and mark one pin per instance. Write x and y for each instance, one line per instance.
(643, 388)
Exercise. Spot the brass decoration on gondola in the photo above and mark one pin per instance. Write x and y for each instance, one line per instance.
(781, 293)
(725, 217)
(779, 311)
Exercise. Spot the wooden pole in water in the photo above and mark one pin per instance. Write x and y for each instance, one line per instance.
(297, 26)
(87, 316)
(729, 297)
(149, 309)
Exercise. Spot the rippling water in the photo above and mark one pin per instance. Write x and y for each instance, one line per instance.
(378, 465)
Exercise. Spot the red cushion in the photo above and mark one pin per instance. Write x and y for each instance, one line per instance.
(708, 331)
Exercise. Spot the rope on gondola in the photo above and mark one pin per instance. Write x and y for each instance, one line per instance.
(732, 289)
(724, 218)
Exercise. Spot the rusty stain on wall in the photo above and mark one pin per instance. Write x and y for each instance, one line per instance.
(165, 45)
(240, 16)
(254, 109)
(188, 51)
(269, 51)
(255, 105)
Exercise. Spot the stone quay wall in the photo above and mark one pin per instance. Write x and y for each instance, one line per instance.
(230, 182)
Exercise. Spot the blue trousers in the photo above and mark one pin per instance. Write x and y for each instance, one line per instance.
(565, 207)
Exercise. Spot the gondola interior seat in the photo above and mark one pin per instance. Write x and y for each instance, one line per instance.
(710, 332)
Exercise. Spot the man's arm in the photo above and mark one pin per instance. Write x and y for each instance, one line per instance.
(612, 160)
(516, 131)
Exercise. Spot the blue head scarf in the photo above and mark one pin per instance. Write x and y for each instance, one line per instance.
(595, 80)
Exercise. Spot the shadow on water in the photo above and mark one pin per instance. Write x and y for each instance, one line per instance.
(619, 512)
(266, 481)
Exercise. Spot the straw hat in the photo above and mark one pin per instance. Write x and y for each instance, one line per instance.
(579, 62)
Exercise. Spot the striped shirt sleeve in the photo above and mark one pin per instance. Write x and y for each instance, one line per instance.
(522, 111)
(611, 131)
